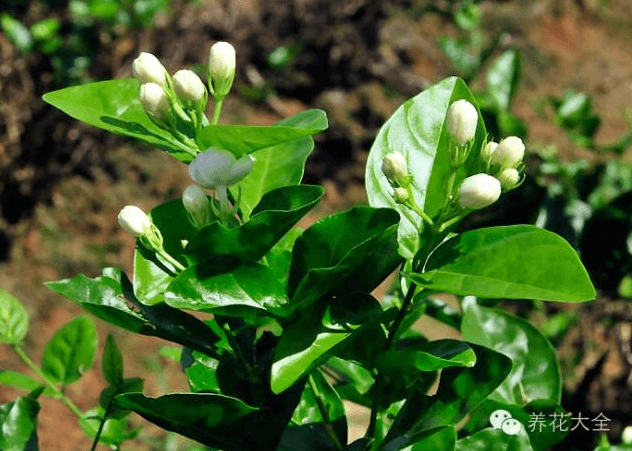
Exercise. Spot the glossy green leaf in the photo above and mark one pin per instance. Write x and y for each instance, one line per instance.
(503, 78)
(114, 106)
(342, 253)
(115, 430)
(417, 131)
(14, 321)
(430, 356)
(282, 164)
(535, 374)
(279, 258)
(201, 373)
(211, 419)
(243, 139)
(513, 262)
(460, 391)
(272, 218)
(112, 362)
(71, 351)
(438, 439)
(18, 423)
(19, 380)
(320, 409)
(247, 289)
(105, 297)
(308, 341)
(495, 439)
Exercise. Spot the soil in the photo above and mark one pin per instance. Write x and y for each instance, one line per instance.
(63, 183)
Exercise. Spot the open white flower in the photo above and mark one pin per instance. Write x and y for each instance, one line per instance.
(148, 69)
(461, 121)
(221, 66)
(479, 191)
(219, 168)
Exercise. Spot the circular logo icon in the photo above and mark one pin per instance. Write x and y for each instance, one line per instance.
(511, 426)
(498, 417)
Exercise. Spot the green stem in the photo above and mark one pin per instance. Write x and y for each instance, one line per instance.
(450, 187)
(219, 102)
(50, 384)
(176, 264)
(323, 413)
(97, 436)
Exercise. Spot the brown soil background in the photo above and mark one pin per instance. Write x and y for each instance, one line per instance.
(62, 183)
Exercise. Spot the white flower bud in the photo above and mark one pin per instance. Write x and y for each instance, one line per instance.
(134, 220)
(508, 178)
(196, 204)
(461, 119)
(509, 152)
(221, 66)
(218, 167)
(148, 69)
(394, 167)
(188, 87)
(401, 195)
(487, 151)
(155, 101)
(626, 436)
(479, 191)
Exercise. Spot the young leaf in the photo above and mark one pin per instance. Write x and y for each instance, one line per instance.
(346, 252)
(513, 262)
(112, 362)
(114, 106)
(417, 131)
(19, 380)
(71, 351)
(18, 423)
(430, 356)
(243, 139)
(535, 374)
(14, 321)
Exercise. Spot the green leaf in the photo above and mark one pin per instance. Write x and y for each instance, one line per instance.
(438, 439)
(114, 106)
(19, 380)
(535, 374)
(16, 32)
(311, 339)
(417, 131)
(244, 139)
(503, 78)
(14, 321)
(282, 164)
(112, 362)
(114, 431)
(202, 373)
(18, 423)
(513, 262)
(321, 410)
(460, 390)
(342, 253)
(71, 351)
(430, 356)
(248, 289)
(105, 297)
(211, 419)
(495, 439)
(272, 218)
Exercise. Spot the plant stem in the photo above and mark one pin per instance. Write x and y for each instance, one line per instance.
(95, 442)
(323, 413)
(50, 384)
(176, 264)
(219, 102)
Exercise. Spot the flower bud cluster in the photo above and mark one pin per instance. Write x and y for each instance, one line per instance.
(165, 98)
